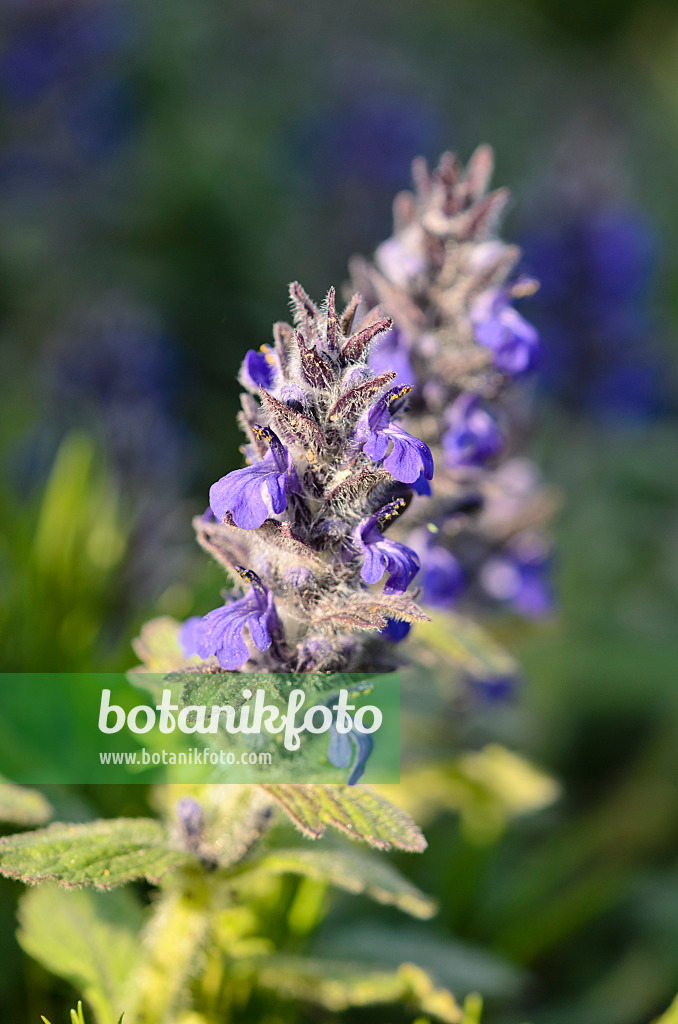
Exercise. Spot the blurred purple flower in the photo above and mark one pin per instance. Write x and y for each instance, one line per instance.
(371, 138)
(390, 353)
(442, 577)
(596, 270)
(513, 342)
(115, 368)
(493, 689)
(191, 819)
(473, 436)
(58, 48)
(521, 577)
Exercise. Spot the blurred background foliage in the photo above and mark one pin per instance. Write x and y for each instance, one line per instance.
(165, 169)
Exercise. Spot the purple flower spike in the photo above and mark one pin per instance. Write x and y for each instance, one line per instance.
(409, 456)
(243, 492)
(498, 326)
(473, 436)
(384, 555)
(220, 632)
(258, 369)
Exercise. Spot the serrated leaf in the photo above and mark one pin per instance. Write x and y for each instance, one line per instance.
(356, 811)
(90, 940)
(354, 871)
(340, 986)
(22, 806)
(101, 853)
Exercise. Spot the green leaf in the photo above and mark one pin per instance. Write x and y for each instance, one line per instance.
(22, 806)
(487, 787)
(354, 871)
(340, 986)
(459, 966)
(89, 939)
(468, 645)
(671, 1015)
(159, 649)
(473, 1009)
(354, 810)
(101, 853)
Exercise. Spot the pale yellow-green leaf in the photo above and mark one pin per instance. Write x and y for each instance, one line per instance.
(354, 810)
(455, 638)
(487, 788)
(89, 939)
(354, 871)
(158, 647)
(340, 986)
(22, 806)
(518, 785)
(671, 1015)
(473, 1008)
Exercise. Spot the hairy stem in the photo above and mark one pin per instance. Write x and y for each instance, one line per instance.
(174, 944)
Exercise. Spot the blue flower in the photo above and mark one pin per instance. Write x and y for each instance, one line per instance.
(340, 751)
(395, 630)
(473, 436)
(422, 486)
(521, 577)
(258, 369)
(442, 577)
(244, 492)
(409, 456)
(498, 326)
(187, 636)
(220, 632)
(390, 353)
(192, 821)
(596, 267)
(493, 689)
(384, 555)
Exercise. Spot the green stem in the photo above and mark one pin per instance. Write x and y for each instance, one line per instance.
(174, 945)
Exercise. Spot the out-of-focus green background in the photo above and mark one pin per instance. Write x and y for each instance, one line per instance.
(166, 167)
